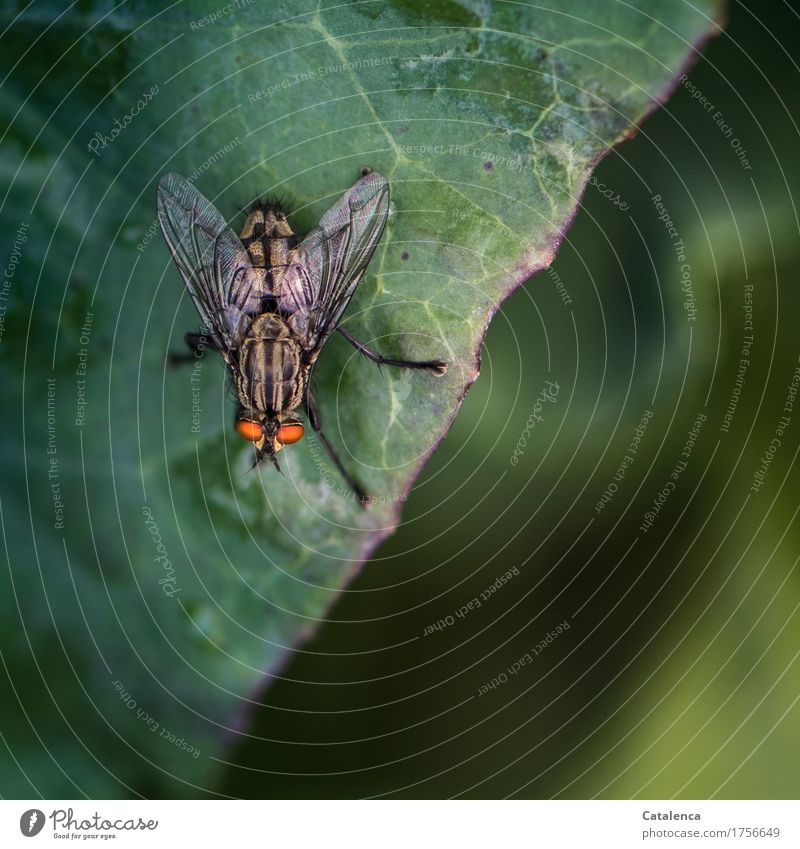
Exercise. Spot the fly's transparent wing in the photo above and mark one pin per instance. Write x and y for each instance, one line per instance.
(332, 259)
(213, 262)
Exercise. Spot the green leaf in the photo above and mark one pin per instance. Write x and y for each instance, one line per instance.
(156, 585)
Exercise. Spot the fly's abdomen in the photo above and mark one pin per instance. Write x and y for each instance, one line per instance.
(270, 375)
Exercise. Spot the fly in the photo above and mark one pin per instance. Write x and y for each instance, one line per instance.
(269, 304)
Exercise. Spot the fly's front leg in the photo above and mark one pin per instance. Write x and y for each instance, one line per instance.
(436, 367)
(197, 344)
(316, 424)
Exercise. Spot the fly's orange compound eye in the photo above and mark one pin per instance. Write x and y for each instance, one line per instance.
(289, 433)
(252, 431)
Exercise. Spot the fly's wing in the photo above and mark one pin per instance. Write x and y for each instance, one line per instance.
(212, 261)
(332, 259)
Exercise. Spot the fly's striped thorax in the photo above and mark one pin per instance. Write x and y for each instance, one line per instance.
(268, 238)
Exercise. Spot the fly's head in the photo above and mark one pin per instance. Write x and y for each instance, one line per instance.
(268, 433)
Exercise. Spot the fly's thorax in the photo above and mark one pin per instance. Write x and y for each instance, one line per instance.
(268, 236)
(269, 327)
(271, 378)
(268, 220)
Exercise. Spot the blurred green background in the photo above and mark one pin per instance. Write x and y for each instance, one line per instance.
(678, 674)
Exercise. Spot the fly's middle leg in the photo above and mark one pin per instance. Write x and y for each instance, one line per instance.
(197, 344)
(437, 367)
(316, 424)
